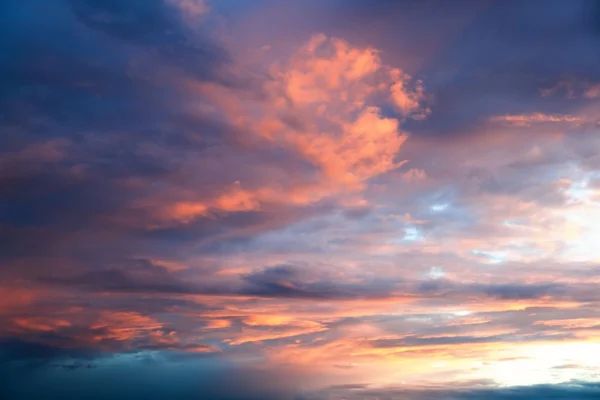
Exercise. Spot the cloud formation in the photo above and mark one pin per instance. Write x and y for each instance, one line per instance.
(302, 200)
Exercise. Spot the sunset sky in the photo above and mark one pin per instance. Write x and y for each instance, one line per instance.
(300, 199)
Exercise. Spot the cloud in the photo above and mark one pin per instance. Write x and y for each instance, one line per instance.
(183, 188)
(528, 120)
(180, 376)
(573, 88)
(592, 92)
(565, 391)
(153, 24)
(288, 281)
(336, 81)
(193, 8)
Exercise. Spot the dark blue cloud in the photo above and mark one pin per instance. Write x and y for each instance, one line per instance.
(504, 57)
(152, 24)
(91, 99)
(482, 58)
(143, 375)
(84, 73)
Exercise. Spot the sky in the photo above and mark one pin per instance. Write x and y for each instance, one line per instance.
(300, 200)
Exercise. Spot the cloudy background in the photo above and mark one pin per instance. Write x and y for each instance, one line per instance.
(307, 200)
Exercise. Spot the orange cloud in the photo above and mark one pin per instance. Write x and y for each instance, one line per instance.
(323, 104)
(333, 87)
(123, 325)
(366, 148)
(218, 324)
(40, 323)
(267, 320)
